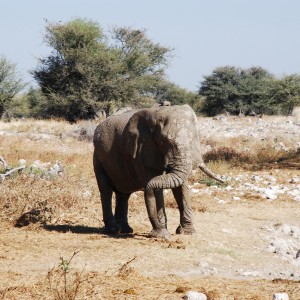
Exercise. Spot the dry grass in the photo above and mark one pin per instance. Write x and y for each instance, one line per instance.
(74, 207)
(64, 194)
(266, 155)
(72, 195)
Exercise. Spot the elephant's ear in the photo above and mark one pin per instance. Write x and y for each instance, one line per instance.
(138, 142)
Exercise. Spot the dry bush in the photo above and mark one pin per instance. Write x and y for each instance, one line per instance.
(53, 127)
(69, 197)
(258, 155)
(66, 283)
(226, 154)
(84, 131)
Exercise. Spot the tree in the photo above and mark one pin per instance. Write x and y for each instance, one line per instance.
(237, 90)
(254, 90)
(143, 63)
(88, 70)
(167, 91)
(10, 83)
(220, 90)
(286, 93)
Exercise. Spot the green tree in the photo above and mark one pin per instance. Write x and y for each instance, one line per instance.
(167, 91)
(237, 90)
(37, 103)
(254, 90)
(10, 83)
(286, 93)
(220, 90)
(88, 69)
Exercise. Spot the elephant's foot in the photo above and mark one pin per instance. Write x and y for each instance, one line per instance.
(117, 228)
(161, 234)
(113, 229)
(186, 230)
(125, 228)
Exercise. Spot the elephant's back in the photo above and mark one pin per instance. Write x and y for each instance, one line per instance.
(109, 132)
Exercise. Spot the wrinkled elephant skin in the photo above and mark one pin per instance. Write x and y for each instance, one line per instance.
(150, 150)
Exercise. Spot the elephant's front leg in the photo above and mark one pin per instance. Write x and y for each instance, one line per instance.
(121, 212)
(157, 215)
(183, 199)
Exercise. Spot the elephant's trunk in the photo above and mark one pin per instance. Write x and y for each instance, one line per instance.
(166, 181)
(175, 177)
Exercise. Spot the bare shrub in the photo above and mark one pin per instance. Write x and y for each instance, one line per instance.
(258, 155)
(84, 131)
(226, 154)
(66, 283)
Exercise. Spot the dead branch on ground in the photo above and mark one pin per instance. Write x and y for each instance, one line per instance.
(8, 170)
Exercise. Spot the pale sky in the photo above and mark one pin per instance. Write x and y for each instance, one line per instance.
(204, 34)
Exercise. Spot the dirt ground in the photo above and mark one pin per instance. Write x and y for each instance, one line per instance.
(247, 248)
(227, 259)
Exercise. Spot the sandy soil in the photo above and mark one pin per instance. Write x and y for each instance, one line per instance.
(228, 257)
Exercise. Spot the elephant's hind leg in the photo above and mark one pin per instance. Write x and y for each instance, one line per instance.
(106, 190)
(182, 197)
(121, 212)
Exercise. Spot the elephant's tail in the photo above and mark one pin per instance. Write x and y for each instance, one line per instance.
(209, 173)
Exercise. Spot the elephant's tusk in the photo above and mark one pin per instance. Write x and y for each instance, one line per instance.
(209, 173)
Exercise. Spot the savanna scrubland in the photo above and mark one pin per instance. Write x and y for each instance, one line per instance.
(248, 230)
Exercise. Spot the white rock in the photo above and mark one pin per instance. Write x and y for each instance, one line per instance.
(250, 273)
(208, 148)
(86, 194)
(295, 231)
(236, 198)
(283, 147)
(256, 178)
(228, 188)
(56, 169)
(37, 164)
(134, 196)
(295, 193)
(195, 191)
(294, 180)
(271, 178)
(280, 296)
(272, 248)
(287, 249)
(221, 202)
(270, 194)
(190, 295)
(22, 162)
(286, 229)
(166, 192)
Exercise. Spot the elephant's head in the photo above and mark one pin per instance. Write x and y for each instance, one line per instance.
(165, 139)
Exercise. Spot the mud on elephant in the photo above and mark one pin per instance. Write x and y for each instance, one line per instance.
(150, 150)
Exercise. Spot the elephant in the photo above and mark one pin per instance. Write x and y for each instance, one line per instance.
(149, 149)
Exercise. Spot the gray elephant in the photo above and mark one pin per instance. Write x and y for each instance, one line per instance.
(151, 150)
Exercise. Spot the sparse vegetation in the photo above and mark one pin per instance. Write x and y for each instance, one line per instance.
(69, 220)
(268, 156)
(67, 284)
